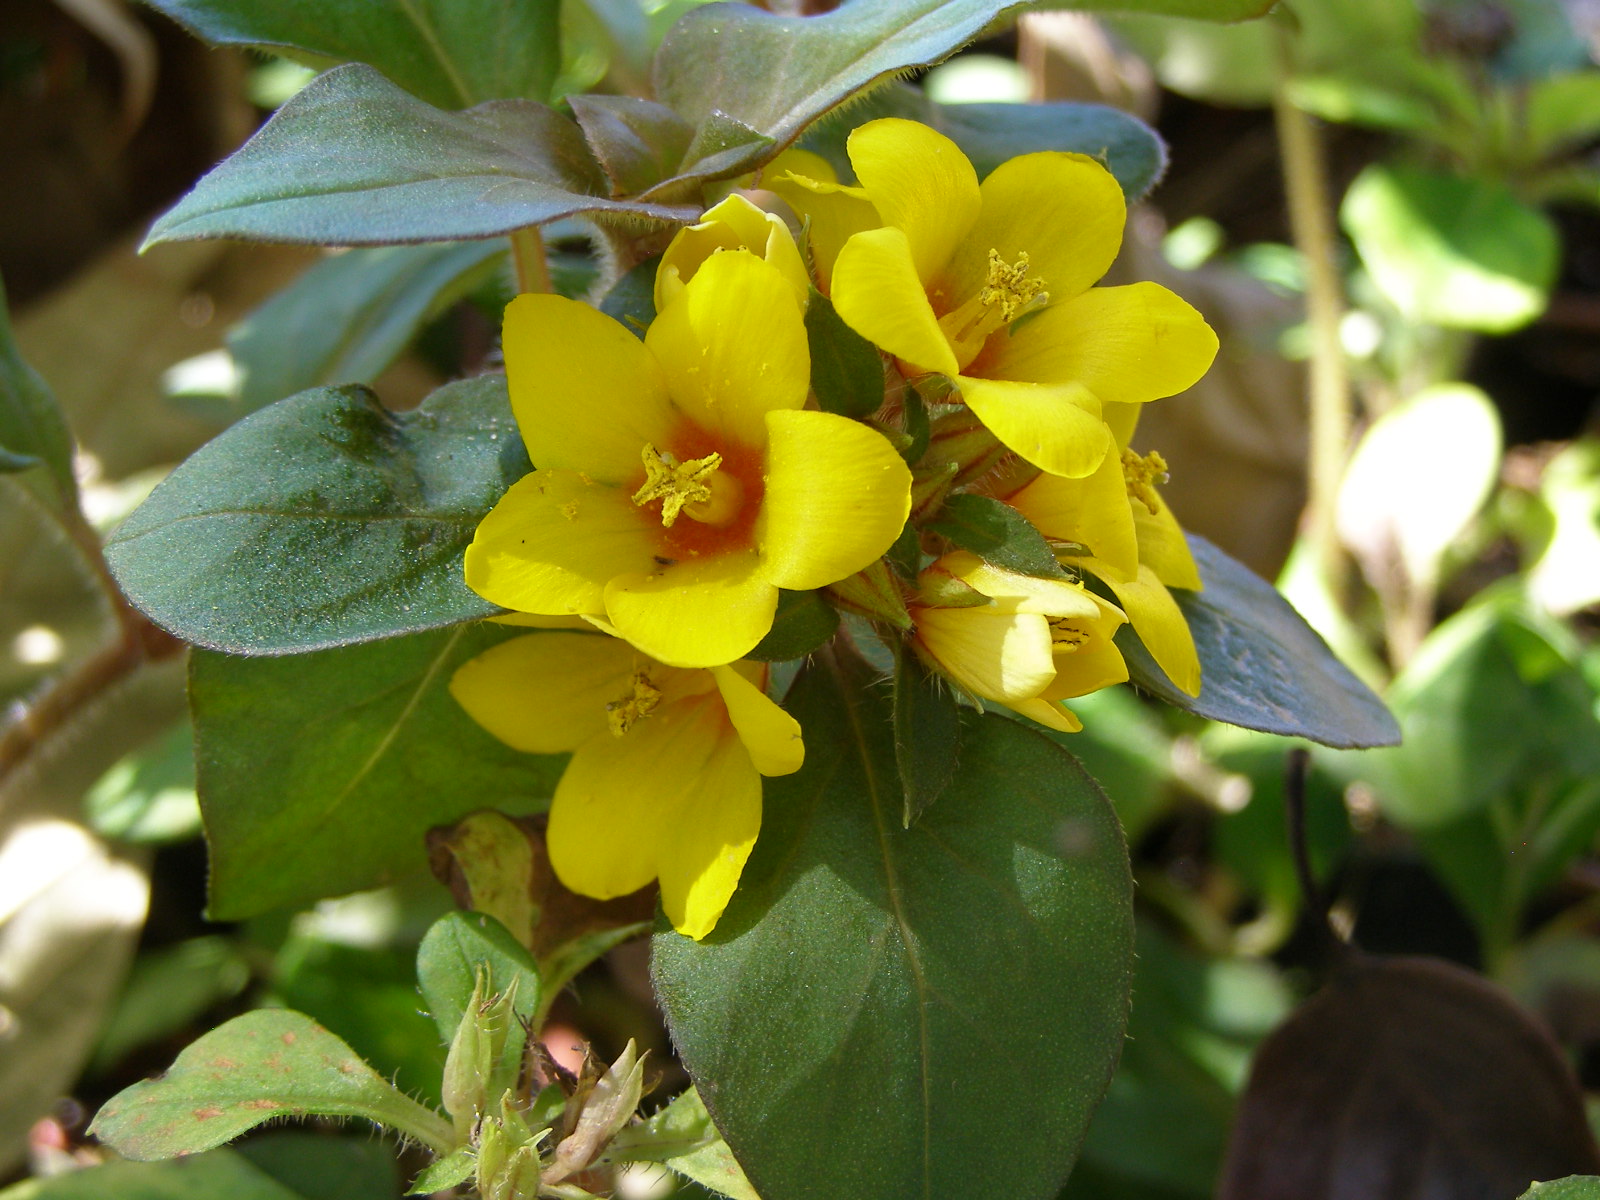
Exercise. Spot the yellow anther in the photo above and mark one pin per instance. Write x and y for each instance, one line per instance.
(676, 484)
(1141, 475)
(1009, 286)
(642, 698)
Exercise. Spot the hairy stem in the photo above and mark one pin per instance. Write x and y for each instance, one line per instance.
(527, 255)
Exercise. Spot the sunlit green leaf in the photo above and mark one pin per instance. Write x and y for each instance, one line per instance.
(1573, 1187)
(451, 53)
(1201, 10)
(1261, 665)
(997, 533)
(453, 951)
(323, 519)
(962, 983)
(266, 1065)
(320, 773)
(353, 160)
(681, 1136)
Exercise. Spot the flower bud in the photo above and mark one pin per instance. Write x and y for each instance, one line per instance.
(733, 224)
(874, 593)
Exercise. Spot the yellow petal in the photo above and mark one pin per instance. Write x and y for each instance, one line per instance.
(620, 797)
(545, 693)
(994, 654)
(830, 212)
(922, 185)
(704, 850)
(837, 495)
(1065, 211)
(696, 613)
(1057, 429)
(878, 294)
(1127, 345)
(733, 224)
(1123, 420)
(1014, 592)
(586, 393)
(553, 542)
(733, 347)
(1157, 619)
(1163, 548)
(1050, 714)
(770, 735)
(1096, 664)
(1092, 511)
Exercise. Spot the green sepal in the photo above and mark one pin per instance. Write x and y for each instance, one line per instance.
(998, 534)
(846, 370)
(804, 622)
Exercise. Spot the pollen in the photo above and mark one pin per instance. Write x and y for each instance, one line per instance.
(1141, 476)
(1009, 287)
(642, 699)
(676, 484)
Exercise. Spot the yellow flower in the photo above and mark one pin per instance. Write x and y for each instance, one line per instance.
(734, 224)
(665, 777)
(1030, 644)
(990, 285)
(832, 211)
(1135, 546)
(680, 484)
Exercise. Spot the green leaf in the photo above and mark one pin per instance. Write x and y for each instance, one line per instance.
(451, 53)
(638, 143)
(320, 773)
(263, 1066)
(448, 961)
(350, 316)
(1199, 10)
(804, 621)
(726, 65)
(846, 369)
(927, 733)
(196, 1177)
(996, 533)
(32, 429)
(681, 1136)
(322, 520)
(1452, 250)
(1563, 111)
(959, 984)
(353, 160)
(319, 1167)
(445, 1173)
(1261, 665)
(1573, 1187)
(148, 797)
(167, 990)
(989, 134)
(632, 299)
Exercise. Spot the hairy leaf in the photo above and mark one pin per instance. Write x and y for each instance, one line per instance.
(354, 160)
(996, 533)
(320, 773)
(322, 520)
(804, 621)
(448, 959)
(962, 983)
(846, 369)
(266, 1065)
(1261, 665)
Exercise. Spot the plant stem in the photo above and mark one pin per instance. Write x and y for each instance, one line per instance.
(527, 255)
(1311, 225)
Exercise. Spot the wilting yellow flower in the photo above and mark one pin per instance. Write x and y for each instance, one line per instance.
(734, 224)
(665, 777)
(680, 484)
(1135, 546)
(1029, 645)
(990, 285)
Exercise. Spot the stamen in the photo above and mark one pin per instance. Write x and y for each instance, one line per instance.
(1009, 286)
(1141, 476)
(675, 484)
(641, 700)
(1006, 294)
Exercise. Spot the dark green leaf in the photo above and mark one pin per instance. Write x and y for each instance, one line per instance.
(1573, 1187)
(927, 733)
(959, 984)
(353, 160)
(1357, 1076)
(451, 53)
(996, 533)
(32, 429)
(637, 142)
(319, 1167)
(322, 520)
(349, 317)
(632, 299)
(727, 65)
(193, 1177)
(989, 134)
(447, 966)
(1452, 250)
(918, 428)
(263, 1066)
(846, 370)
(1261, 665)
(803, 623)
(320, 773)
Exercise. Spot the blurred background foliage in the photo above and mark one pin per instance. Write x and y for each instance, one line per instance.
(1461, 140)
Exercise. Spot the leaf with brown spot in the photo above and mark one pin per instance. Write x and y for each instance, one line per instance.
(1404, 1078)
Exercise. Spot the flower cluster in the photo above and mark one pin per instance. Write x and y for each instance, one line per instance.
(684, 480)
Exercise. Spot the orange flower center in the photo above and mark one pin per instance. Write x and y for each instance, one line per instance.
(714, 483)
